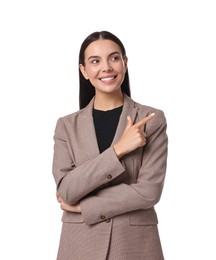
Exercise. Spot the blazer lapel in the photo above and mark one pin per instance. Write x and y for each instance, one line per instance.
(129, 109)
(87, 133)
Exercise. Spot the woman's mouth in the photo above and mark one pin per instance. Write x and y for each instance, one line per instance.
(107, 79)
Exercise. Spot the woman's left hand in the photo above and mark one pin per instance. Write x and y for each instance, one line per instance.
(64, 206)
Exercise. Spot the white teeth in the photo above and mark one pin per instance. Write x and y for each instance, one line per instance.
(107, 79)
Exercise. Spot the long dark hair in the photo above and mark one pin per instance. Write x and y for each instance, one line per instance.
(87, 91)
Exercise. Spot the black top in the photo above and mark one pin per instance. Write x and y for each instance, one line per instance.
(106, 123)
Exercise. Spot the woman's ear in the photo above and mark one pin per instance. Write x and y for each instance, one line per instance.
(83, 71)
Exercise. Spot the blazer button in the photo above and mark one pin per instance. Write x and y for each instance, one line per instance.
(108, 220)
(103, 217)
(109, 177)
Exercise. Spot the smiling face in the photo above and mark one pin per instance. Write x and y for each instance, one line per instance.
(104, 66)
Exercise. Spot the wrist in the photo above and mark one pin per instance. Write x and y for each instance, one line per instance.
(117, 151)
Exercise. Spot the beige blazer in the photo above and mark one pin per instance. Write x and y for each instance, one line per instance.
(117, 197)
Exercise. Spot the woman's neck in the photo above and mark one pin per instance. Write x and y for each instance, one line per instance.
(104, 101)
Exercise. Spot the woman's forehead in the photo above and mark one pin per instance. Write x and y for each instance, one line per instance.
(102, 47)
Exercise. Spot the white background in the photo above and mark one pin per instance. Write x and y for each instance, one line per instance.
(171, 46)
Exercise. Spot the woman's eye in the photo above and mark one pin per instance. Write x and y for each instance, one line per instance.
(114, 58)
(95, 61)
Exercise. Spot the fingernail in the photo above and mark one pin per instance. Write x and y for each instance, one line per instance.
(152, 114)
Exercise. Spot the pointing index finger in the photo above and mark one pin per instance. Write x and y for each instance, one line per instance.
(143, 121)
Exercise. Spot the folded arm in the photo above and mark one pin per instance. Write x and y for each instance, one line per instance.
(75, 182)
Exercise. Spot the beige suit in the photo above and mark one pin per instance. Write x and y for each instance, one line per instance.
(118, 220)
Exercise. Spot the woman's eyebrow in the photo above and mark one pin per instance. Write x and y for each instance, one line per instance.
(93, 57)
(113, 53)
(97, 57)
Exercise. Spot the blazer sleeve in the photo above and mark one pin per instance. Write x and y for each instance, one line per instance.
(73, 183)
(143, 194)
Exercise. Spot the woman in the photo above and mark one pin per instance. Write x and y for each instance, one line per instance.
(109, 162)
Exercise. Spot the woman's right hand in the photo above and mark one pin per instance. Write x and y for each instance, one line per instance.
(133, 137)
(65, 206)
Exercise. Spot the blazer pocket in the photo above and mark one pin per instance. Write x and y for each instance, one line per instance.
(143, 218)
(71, 217)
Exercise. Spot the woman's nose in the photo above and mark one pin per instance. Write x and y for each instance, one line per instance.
(106, 66)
